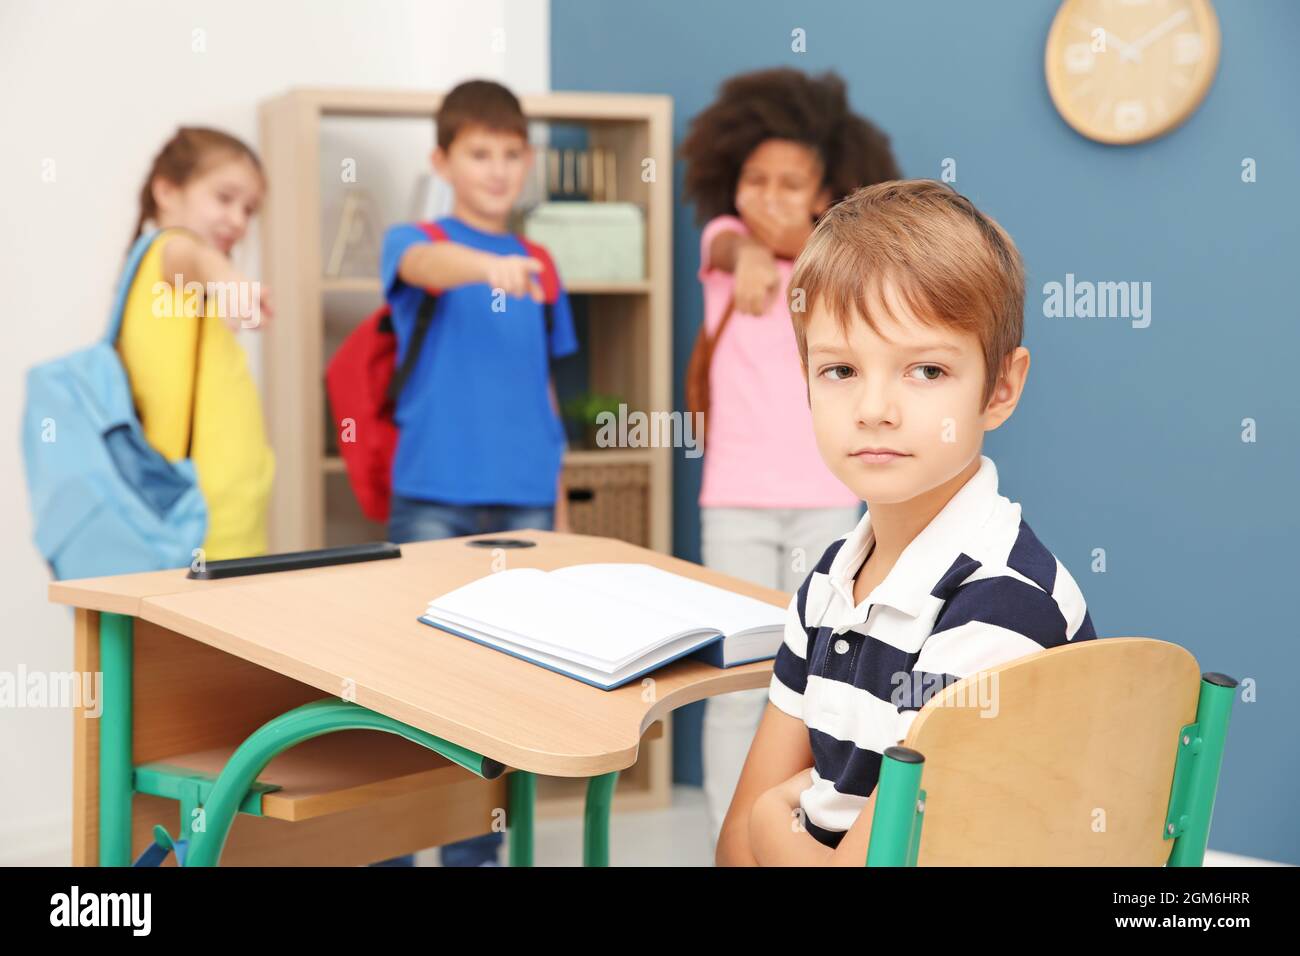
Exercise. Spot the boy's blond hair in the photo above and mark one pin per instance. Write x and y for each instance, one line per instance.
(952, 265)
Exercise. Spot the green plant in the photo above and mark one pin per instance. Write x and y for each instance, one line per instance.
(582, 412)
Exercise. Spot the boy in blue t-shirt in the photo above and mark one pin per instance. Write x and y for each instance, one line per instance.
(480, 444)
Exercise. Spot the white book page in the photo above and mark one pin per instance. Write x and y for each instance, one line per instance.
(536, 609)
(533, 645)
(601, 676)
(704, 604)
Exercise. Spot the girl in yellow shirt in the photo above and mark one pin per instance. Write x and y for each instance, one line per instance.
(201, 193)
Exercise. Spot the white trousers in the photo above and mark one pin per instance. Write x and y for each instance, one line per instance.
(777, 548)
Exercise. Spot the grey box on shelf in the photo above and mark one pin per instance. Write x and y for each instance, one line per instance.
(591, 241)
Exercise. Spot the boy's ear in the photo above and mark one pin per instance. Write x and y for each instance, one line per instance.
(1007, 392)
(438, 158)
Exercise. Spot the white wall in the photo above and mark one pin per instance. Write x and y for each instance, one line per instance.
(97, 87)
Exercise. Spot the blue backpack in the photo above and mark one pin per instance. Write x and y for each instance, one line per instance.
(104, 501)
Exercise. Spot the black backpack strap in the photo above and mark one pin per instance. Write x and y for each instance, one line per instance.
(200, 322)
(423, 319)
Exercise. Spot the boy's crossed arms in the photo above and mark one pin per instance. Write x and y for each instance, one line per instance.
(764, 825)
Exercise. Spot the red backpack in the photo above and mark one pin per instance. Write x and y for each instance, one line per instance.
(363, 383)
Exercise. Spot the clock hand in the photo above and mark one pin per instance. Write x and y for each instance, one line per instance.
(1110, 37)
(1138, 45)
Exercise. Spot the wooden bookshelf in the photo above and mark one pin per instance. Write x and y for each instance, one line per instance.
(628, 340)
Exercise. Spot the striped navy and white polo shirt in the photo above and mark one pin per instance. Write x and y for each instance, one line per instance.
(973, 590)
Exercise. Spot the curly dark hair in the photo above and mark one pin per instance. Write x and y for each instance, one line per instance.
(781, 103)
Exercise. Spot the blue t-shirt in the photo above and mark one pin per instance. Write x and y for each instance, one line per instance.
(475, 417)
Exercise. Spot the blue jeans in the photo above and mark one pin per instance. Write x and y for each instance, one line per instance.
(413, 520)
(410, 519)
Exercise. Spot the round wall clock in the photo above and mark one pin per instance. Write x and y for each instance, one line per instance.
(1124, 71)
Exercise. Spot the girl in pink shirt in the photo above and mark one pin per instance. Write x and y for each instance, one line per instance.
(770, 155)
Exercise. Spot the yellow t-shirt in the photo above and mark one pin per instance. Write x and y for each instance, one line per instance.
(235, 466)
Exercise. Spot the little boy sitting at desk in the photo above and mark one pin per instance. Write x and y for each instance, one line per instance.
(908, 311)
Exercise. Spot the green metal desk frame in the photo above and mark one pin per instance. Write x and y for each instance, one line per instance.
(236, 790)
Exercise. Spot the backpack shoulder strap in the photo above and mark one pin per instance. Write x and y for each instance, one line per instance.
(550, 277)
(125, 280)
(550, 281)
(423, 319)
(434, 231)
(129, 271)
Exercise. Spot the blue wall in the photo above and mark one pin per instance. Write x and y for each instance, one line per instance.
(1126, 439)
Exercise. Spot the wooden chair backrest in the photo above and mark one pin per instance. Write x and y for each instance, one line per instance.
(1072, 766)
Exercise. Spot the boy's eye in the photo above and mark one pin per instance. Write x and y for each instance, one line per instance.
(935, 368)
(837, 368)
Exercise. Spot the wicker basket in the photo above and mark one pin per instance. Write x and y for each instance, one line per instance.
(611, 501)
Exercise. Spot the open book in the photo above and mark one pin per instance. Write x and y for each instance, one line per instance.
(607, 624)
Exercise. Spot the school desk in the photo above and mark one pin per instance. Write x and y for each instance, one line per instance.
(225, 695)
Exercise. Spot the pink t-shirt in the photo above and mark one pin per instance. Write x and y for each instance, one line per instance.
(761, 451)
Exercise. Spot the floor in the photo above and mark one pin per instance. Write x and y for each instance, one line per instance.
(678, 836)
